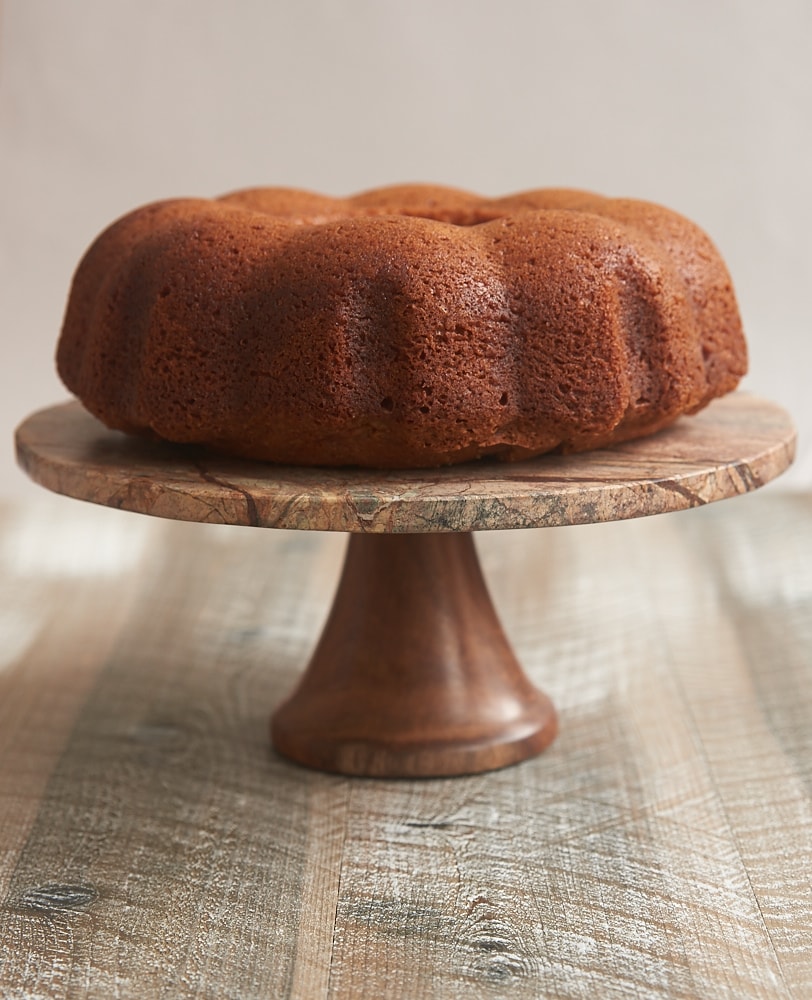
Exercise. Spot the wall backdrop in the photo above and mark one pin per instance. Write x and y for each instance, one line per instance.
(705, 106)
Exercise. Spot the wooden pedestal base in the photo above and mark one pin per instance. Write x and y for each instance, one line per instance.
(413, 675)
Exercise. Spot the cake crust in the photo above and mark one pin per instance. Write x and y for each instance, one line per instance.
(412, 326)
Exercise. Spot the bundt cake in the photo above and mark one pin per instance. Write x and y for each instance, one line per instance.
(404, 327)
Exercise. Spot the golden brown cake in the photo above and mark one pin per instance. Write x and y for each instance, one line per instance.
(404, 327)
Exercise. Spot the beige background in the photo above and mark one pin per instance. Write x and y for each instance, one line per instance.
(704, 106)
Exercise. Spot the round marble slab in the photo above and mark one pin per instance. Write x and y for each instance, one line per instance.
(737, 444)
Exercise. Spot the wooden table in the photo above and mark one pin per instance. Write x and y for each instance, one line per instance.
(151, 845)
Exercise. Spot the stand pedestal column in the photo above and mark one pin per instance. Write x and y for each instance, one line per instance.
(413, 675)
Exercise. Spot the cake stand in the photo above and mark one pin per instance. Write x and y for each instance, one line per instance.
(413, 675)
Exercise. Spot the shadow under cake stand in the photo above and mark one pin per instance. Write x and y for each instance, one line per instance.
(413, 675)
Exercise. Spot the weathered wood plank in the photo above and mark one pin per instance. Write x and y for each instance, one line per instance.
(165, 823)
(150, 844)
(328, 805)
(52, 594)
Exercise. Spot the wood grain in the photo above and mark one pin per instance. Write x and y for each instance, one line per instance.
(45, 610)
(413, 676)
(736, 445)
(661, 848)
